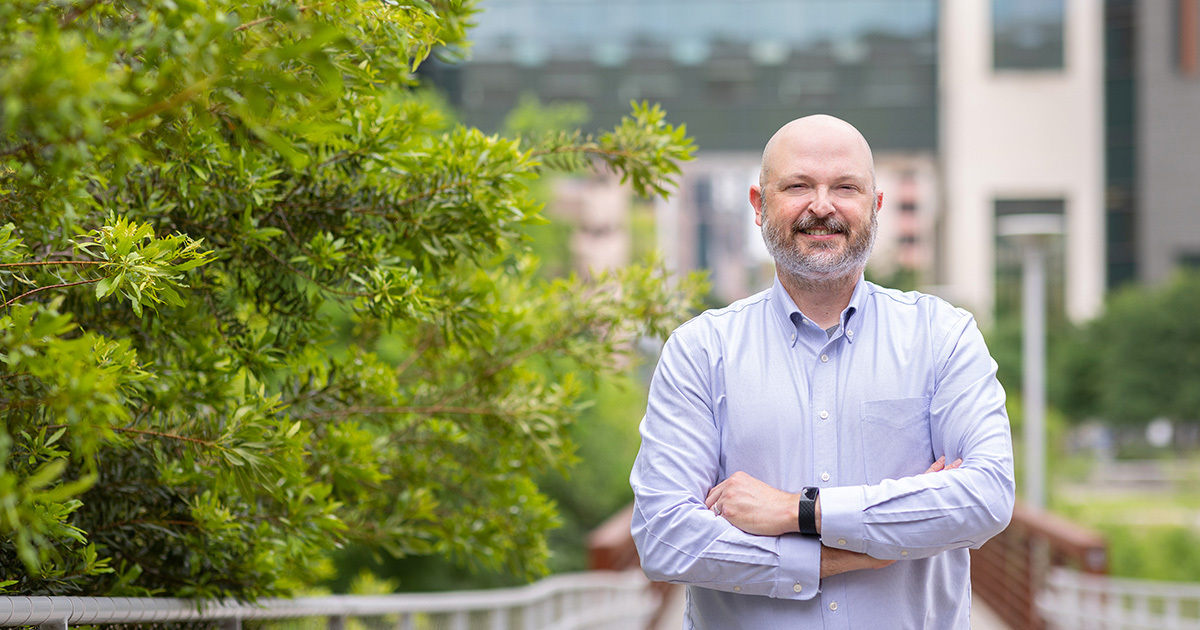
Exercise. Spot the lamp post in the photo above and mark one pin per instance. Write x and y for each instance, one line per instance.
(1033, 232)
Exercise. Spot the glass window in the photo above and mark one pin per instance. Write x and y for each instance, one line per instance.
(1009, 259)
(1027, 34)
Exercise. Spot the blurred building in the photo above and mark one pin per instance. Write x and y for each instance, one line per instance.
(1154, 123)
(975, 108)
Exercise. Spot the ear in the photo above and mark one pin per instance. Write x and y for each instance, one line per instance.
(756, 200)
(878, 200)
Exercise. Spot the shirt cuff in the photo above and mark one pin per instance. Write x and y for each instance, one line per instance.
(842, 511)
(799, 567)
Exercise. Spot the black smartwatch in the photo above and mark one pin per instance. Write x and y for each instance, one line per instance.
(808, 510)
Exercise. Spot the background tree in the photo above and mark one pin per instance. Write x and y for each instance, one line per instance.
(605, 433)
(1140, 359)
(213, 211)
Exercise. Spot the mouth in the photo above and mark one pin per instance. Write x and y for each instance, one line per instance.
(818, 232)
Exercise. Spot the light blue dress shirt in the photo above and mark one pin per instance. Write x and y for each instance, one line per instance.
(860, 413)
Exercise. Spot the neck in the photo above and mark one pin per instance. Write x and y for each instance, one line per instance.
(820, 299)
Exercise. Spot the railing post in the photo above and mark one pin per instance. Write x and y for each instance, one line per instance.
(337, 622)
(499, 618)
(230, 624)
(54, 624)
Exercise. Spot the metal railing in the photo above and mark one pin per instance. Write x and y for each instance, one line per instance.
(1074, 600)
(1009, 571)
(593, 600)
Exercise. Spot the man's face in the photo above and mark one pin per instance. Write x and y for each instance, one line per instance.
(818, 248)
(818, 205)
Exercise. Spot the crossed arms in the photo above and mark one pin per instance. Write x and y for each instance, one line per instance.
(757, 508)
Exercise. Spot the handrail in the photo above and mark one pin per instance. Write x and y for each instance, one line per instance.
(1073, 599)
(1009, 570)
(58, 612)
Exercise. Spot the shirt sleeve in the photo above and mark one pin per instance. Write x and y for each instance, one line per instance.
(678, 539)
(921, 516)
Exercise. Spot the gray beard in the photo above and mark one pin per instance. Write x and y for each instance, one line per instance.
(815, 266)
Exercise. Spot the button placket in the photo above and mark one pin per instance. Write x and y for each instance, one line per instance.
(823, 385)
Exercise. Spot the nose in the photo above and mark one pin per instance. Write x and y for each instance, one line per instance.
(822, 204)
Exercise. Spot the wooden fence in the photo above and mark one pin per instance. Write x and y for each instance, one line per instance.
(1010, 570)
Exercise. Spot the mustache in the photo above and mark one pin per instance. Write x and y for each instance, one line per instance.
(808, 222)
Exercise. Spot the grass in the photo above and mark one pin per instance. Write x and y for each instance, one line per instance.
(1152, 532)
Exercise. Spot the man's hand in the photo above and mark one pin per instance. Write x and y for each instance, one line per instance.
(754, 507)
(941, 465)
(757, 508)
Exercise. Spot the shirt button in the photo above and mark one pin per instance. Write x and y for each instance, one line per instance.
(824, 415)
(793, 336)
(904, 553)
(849, 333)
(737, 589)
(832, 605)
(842, 542)
(824, 358)
(797, 587)
(824, 476)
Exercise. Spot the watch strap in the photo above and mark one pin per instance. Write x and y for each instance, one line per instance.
(808, 511)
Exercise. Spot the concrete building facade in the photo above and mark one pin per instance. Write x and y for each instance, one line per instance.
(1019, 134)
(1167, 61)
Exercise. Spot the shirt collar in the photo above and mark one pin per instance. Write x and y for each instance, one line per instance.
(790, 316)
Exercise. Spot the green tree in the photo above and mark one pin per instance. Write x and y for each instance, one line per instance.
(213, 211)
(1140, 360)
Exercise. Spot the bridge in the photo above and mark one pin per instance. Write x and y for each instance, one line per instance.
(1041, 573)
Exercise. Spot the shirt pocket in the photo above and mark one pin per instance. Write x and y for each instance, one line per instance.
(896, 438)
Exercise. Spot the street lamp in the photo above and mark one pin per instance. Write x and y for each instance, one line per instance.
(1033, 233)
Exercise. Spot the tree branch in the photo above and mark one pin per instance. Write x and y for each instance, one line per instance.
(70, 18)
(50, 286)
(178, 99)
(253, 23)
(585, 150)
(170, 436)
(145, 521)
(53, 262)
(430, 410)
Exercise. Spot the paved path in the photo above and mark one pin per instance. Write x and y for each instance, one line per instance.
(982, 617)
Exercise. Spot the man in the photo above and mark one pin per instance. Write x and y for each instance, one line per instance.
(781, 470)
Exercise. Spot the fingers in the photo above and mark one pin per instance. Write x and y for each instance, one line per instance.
(713, 495)
(941, 465)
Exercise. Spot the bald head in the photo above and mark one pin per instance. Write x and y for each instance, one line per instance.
(822, 131)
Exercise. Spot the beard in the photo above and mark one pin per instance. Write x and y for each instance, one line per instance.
(821, 261)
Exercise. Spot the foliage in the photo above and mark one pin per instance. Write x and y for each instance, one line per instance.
(1140, 360)
(193, 194)
(598, 487)
(1147, 533)
(596, 484)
